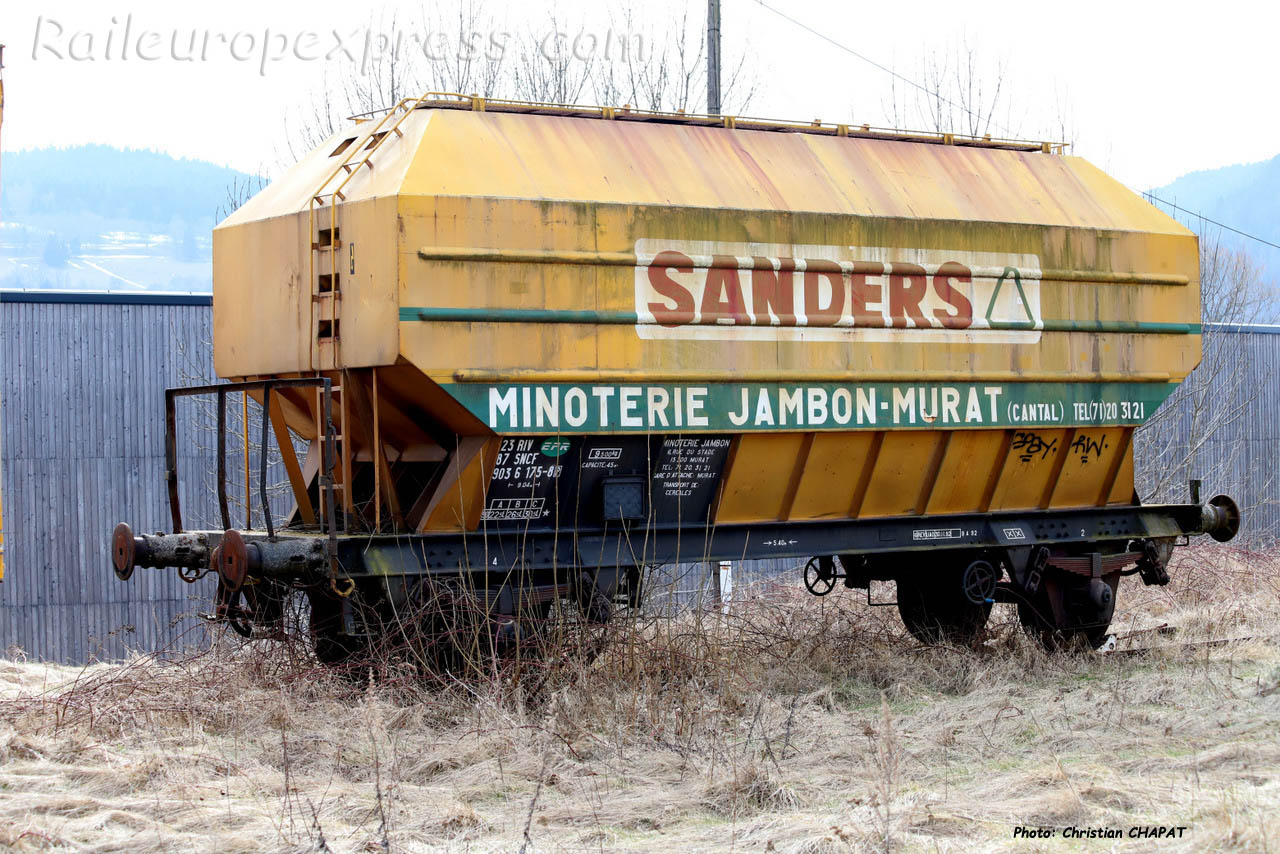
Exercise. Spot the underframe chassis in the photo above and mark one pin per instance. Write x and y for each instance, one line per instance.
(1092, 542)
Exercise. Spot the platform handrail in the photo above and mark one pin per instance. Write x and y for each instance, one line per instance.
(328, 452)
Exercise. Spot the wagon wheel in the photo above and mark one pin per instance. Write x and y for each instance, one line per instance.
(1078, 622)
(939, 608)
(584, 624)
(330, 643)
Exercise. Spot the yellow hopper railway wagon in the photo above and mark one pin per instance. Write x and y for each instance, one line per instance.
(533, 350)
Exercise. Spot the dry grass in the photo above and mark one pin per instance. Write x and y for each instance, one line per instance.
(792, 724)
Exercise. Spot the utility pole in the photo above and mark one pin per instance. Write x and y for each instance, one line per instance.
(1, 479)
(713, 57)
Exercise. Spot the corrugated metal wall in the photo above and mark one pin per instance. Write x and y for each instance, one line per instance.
(82, 442)
(82, 445)
(1222, 426)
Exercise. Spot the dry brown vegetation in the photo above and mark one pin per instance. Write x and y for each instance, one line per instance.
(789, 724)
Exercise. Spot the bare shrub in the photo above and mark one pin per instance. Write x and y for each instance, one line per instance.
(789, 723)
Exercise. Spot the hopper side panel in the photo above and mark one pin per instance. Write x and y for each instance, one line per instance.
(262, 301)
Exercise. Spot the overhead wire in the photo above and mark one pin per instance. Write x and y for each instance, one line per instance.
(1154, 198)
(938, 96)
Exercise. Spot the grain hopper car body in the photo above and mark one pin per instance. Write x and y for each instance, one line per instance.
(530, 351)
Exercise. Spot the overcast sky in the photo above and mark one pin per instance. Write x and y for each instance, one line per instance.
(1148, 91)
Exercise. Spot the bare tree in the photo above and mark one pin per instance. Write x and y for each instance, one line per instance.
(313, 125)
(961, 94)
(957, 94)
(667, 70)
(548, 67)
(385, 75)
(464, 49)
(458, 47)
(670, 78)
(239, 191)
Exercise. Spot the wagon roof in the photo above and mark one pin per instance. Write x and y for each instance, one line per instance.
(450, 146)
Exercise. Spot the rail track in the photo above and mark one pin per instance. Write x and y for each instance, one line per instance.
(1108, 649)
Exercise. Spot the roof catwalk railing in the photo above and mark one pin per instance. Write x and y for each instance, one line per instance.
(628, 113)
